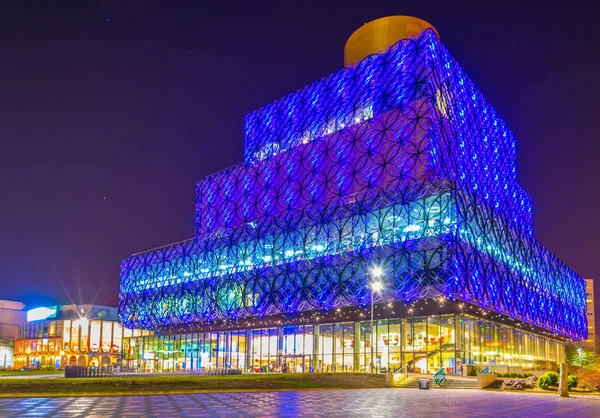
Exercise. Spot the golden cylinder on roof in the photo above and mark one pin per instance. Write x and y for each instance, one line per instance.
(379, 34)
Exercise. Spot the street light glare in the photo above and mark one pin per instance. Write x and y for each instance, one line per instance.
(376, 286)
(377, 271)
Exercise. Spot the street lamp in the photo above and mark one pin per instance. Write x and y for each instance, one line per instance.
(376, 286)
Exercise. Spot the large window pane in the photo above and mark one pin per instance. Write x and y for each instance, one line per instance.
(106, 336)
(117, 339)
(95, 336)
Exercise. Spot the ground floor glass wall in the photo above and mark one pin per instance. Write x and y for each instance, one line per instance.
(416, 344)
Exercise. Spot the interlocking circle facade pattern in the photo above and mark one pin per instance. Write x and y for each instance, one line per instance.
(398, 161)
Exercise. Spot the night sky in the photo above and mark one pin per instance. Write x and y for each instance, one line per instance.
(110, 111)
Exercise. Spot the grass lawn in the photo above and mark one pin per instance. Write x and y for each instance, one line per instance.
(158, 383)
(28, 372)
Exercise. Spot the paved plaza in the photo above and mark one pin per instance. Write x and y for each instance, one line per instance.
(325, 403)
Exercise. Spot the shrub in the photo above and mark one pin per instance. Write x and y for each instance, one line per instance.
(531, 381)
(514, 375)
(543, 382)
(513, 384)
(572, 381)
(474, 371)
(547, 379)
(553, 378)
(518, 384)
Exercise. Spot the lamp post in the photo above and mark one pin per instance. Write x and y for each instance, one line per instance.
(376, 286)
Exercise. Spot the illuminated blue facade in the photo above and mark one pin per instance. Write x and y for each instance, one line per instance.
(397, 161)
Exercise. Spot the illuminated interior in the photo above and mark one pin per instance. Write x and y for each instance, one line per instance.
(417, 344)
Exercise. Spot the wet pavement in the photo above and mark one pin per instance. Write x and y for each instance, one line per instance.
(365, 403)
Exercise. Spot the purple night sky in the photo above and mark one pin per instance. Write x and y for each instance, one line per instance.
(110, 112)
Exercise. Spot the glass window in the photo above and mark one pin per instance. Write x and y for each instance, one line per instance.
(117, 339)
(382, 342)
(407, 339)
(234, 349)
(95, 330)
(273, 334)
(338, 349)
(289, 340)
(178, 352)
(447, 343)
(393, 345)
(222, 350)
(75, 335)
(308, 336)
(242, 362)
(326, 348)
(419, 336)
(59, 329)
(106, 336)
(85, 332)
(204, 350)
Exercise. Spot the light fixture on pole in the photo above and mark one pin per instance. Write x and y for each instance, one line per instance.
(376, 286)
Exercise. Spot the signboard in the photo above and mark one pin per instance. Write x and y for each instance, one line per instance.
(44, 312)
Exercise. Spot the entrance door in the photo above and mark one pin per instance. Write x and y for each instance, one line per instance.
(297, 363)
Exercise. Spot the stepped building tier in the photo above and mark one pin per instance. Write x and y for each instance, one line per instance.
(396, 162)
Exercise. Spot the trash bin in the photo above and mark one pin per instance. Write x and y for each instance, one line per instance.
(423, 384)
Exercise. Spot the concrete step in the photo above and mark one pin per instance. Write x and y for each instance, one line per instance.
(459, 384)
(449, 383)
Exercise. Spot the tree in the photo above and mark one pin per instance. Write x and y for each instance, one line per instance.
(583, 358)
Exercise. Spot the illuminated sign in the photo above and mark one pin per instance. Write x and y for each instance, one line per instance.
(38, 314)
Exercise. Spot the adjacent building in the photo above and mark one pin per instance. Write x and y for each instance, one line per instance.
(591, 294)
(376, 221)
(82, 335)
(12, 315)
